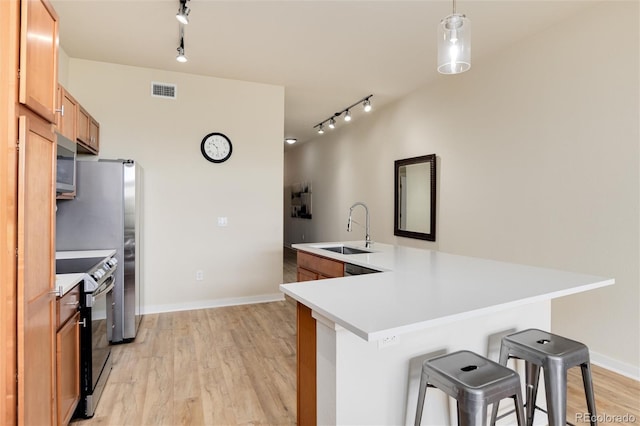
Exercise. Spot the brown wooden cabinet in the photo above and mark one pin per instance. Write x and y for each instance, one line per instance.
(36, 270)
(28, 86)
(67, 114)
(310, 267)
(94, 134)
(68, 355)
(39, 57)
(87, 132)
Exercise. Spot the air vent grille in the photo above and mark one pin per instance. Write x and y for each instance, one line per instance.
(163, 90)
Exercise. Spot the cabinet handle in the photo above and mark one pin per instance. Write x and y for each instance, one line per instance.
(83, 322)
(76, 303)
(57, 292)
(61, 111)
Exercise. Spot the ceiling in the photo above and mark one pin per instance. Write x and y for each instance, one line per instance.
(326, 53)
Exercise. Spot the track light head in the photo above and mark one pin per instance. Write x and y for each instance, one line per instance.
(321, 129)
(347, 116)
(332, 123)
(181, 57)
(183, 13)
(367, 105)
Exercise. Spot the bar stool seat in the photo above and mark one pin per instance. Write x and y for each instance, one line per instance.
(474, 382)
(555, 355)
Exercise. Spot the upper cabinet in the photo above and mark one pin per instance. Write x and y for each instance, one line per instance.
(76, 123)
(88, 131)
(67, 113)
(39, 58)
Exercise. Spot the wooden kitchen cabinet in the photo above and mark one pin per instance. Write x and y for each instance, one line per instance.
(87, 132)
(310, 267)
(94, 134)
(28, 88)
(68, 355)
(67, 114)
(36, 270)
(38, 57)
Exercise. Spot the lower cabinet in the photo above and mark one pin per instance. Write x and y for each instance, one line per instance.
(310, 267)
(68, 356)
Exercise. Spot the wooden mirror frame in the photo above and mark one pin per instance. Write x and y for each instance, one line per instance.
(431, 236)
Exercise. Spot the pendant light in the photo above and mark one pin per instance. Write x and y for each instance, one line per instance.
(454, 43)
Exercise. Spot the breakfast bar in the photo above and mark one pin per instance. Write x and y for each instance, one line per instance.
(372, 331)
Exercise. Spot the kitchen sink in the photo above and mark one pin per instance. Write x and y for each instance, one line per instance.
(345, 250)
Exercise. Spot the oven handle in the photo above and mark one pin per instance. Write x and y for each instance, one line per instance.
(93, 296)
(106, 290)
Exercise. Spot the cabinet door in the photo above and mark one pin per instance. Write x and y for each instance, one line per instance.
(306, 275)
(67, 109)
(39, 57)
(82, 129)
(94, 134)
(68, 369)
(36, 270)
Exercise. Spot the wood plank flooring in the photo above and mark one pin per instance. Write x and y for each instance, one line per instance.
(237, 365)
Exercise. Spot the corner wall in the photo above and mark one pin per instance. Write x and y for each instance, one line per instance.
(183, 193)
(538, 163)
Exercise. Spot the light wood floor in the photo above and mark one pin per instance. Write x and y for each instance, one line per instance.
(236, 365)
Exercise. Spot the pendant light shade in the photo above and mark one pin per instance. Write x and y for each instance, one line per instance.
(454, 44)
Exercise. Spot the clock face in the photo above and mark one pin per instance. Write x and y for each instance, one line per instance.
(216, 147)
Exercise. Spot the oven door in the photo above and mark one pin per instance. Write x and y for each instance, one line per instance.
(100, 307)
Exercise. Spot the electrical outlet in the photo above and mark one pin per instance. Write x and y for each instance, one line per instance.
(302, 237)
(199, 275)
(388, 341)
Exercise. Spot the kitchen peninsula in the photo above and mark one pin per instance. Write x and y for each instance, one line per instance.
(371, 331)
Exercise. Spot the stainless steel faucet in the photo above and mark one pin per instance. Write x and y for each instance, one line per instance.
(367, 237)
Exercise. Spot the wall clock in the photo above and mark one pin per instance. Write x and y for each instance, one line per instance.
(216, 147)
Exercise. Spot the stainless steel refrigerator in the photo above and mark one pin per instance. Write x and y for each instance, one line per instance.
(105, 214)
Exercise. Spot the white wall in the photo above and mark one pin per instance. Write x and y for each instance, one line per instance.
(538, 163)
(183, 193)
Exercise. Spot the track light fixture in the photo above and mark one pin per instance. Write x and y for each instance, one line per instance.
(183, 12)
(366, 104)
(181, 57)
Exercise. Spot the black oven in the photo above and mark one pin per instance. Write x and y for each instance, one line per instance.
(96, 317)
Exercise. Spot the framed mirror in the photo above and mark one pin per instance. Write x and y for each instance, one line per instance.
(415, 198)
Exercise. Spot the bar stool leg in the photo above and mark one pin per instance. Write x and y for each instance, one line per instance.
(532, 378)
(421, 395)
(472, 414)
(555, 382)
(504, 358)
(588, 390)
(517, 400)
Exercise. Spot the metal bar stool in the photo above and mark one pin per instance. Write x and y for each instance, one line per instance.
(474, 382)
(555, 354)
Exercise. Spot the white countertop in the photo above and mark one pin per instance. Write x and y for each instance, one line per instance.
(68, 281)
(425, 288)
(77, 254)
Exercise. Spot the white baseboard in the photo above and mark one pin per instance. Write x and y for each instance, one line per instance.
(628, 370)
(213, 303)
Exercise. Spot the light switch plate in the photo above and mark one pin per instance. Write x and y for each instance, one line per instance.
(222, 221)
